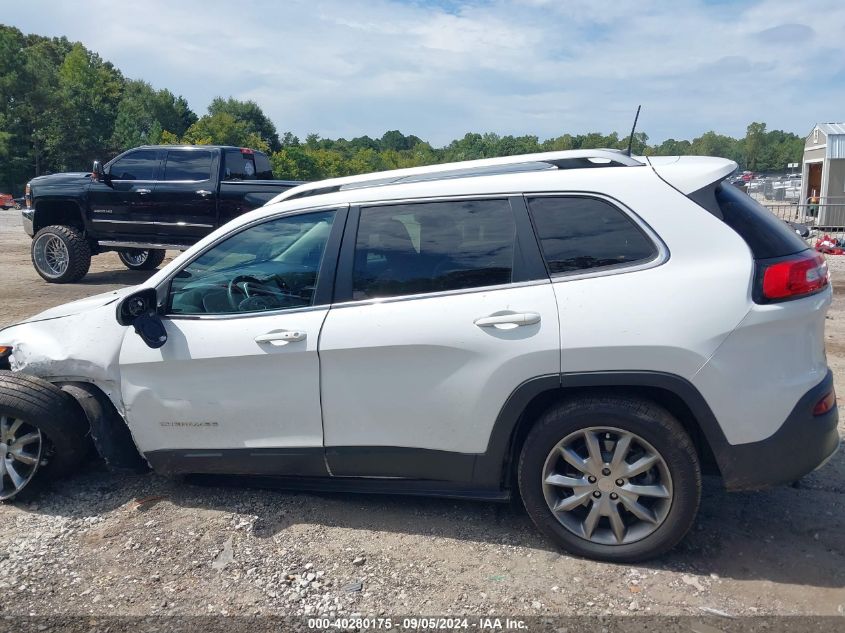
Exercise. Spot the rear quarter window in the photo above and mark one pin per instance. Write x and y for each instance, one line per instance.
(263, 170)
(580, 234)
(766, 235)
(239, 166)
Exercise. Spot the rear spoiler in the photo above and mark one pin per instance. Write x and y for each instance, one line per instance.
(688, 174)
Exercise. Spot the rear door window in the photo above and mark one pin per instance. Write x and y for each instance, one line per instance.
(191, 165)
(433, 247)
(582, 234)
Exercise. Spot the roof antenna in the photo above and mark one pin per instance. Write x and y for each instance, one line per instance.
(631, 138)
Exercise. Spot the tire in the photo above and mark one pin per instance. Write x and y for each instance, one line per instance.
(135, 259)
(665, 496)
(60, 254)
(45, 410)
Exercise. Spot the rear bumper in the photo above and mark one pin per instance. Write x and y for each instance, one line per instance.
(27, 216)
(803, 443)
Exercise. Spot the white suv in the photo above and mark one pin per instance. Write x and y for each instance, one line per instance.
(589, 330)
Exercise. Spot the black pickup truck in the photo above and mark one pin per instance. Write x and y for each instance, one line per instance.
(141, 203)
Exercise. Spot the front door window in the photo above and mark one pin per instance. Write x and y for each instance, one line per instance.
(269, 266)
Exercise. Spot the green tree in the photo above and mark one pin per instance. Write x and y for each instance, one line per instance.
(671, 147)
(294, 163)
(89, 91)
(713, 144)
(250, 115)
(755, 139)
(218, 129)
(144, 114)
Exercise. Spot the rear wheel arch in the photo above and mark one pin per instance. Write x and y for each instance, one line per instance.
(534, 397)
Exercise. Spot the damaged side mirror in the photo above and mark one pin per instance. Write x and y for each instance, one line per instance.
(140, 310)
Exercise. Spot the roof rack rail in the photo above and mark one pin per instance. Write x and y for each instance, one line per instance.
(570, 159)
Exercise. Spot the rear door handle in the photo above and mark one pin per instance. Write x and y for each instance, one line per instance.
(204, 192)
(281, 337)
(143, 192)
(512, 318)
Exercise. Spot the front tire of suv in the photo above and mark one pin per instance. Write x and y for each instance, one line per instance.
(610, 478)
(60, 254)
(136, 259)
(43, 434)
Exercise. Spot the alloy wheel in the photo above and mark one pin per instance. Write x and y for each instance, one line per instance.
(21, 445)
(134, 258)
(51, 255)
(607, 485)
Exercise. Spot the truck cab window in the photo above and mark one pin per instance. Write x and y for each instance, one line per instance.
(192, 165)
(138, 165)
(238, 165)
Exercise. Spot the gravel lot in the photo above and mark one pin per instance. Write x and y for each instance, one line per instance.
(103, 544)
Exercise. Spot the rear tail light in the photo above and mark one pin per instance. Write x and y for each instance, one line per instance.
(27, 196)
(246, 150)
(791, 277)
(825, 404)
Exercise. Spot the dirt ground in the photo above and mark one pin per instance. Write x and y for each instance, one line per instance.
(103, 544)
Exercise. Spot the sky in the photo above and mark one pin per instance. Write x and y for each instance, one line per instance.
(442, 68)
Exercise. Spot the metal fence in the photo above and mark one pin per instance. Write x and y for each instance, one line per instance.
(826, 217)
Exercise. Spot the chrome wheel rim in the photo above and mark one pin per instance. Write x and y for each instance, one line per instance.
(607, 485)
(51, 255)
(134, 258)
(21, 445)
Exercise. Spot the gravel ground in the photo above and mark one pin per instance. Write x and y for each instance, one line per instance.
(102, 544)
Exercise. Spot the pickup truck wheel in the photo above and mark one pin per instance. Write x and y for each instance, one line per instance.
(61, 254)
(135, 259)
(43, 434)
(610, 478)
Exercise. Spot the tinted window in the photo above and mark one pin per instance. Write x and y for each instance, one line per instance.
(238, 166)
(140, 165)
(766, 235)
(431, 247)
(269, 266)
(188, 165)
(584, 233)
(262, 167)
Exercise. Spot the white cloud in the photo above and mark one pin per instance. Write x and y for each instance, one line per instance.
(438, 70)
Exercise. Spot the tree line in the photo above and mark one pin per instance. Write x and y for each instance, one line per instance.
(61, 106)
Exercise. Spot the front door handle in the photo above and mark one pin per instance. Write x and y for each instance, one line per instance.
(143, 192)
(281, 337)
(510, 318)
(203, 192)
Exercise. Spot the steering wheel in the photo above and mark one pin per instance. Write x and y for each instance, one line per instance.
(245, 281)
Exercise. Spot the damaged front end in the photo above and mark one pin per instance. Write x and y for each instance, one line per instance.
(76, 347)
(75, 341)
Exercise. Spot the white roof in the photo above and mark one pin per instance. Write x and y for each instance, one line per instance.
(463, 169)
(831, 129)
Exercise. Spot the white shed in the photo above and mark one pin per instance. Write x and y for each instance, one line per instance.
(824, 172)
